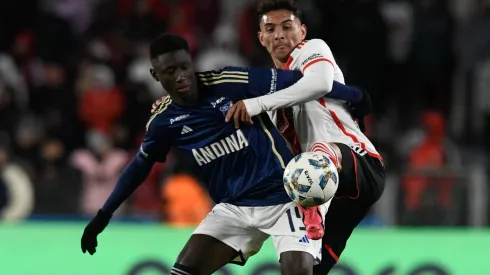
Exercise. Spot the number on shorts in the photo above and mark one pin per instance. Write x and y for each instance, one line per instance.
(290, 219)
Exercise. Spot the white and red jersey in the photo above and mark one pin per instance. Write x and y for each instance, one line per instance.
(323, 120)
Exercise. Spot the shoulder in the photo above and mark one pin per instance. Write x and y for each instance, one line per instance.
(313, 44)
(224, 72)
(312, 50)
(226, 75)
(159, 119)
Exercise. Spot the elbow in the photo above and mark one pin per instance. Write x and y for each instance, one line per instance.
(322, 85)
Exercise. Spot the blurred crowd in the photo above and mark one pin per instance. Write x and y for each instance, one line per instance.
(75, 94)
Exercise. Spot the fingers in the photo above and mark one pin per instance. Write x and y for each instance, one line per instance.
(155, 105)
(245, 117)
(236, 118)
(230, 113)
(238, 112)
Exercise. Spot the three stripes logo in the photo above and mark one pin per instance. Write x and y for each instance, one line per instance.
(185, 130)
(304, 239)
(225, 76)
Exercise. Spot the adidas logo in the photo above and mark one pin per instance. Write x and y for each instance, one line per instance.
(185, 130)
(304, 239)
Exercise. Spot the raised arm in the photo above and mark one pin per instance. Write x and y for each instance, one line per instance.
(317, 81)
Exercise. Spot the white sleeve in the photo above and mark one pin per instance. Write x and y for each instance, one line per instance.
(317, 65)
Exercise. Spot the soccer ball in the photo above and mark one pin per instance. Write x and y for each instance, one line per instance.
(311, 179)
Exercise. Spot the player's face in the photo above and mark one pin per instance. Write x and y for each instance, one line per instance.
(280, 32)
(174, 70)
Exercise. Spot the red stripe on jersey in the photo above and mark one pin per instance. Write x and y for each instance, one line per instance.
(352, 136)
(327, 149)
(288, 63)
(315, 61)
(301, 44)
(322, 102)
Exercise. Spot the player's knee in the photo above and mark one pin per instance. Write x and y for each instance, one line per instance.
(179, 269)
(296, 263)
(330, 149)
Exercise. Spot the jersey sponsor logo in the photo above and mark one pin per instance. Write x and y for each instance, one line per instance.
(224, 109)
(228, 145)
(185, 130)
(357, 148)
(218, 101)
(273, 81)
(179, 118)
(312, 57)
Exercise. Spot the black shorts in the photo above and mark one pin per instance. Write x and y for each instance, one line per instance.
(361, 183)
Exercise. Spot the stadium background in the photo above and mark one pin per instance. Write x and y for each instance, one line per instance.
(75, 94)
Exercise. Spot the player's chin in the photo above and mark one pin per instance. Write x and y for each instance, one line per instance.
(281, 54)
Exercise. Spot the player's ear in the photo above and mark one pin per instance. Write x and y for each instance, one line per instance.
(261, 38)
(303, 31)
(154, 75)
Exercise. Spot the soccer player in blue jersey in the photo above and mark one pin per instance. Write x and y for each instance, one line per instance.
(242, 168)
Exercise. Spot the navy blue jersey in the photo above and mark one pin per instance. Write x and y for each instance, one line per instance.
(240, 166)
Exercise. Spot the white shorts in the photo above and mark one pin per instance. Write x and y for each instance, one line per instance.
(246, 228)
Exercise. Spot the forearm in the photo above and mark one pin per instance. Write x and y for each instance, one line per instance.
(344, 92)
(131, 178)
(317, 82)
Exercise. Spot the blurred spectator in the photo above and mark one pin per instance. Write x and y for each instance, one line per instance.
(143, 23)
(16, 192)
(12, 79)
(54, 100)
(430, 164)
(139, 71)
(223, 51)
(58, 185)
(100, 166)
(431, 55)
(185, 202)
(101, 101)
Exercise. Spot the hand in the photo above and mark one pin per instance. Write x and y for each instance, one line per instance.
(361, 109)
(94, 228)
(156, 104)
(239, 112)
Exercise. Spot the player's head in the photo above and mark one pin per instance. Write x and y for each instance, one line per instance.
(172, 67)
(280, 27)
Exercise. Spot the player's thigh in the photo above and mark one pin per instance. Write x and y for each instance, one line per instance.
(361, 178)
(285, 226)
(296, 263)
(230, 225)
(204, 254)
(343, 216)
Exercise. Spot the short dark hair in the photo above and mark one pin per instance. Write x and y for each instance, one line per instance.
(167, 42)
(266, 6)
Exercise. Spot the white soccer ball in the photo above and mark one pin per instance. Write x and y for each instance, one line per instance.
(311, 179)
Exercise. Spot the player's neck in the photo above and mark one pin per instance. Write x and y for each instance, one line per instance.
(186, 102)
(279, 64)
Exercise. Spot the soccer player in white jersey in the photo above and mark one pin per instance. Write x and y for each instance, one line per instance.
(320, 125)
